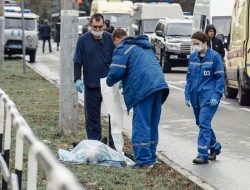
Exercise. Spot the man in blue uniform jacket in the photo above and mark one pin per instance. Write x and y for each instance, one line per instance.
(144, 90)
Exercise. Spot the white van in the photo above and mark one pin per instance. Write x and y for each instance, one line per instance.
(216, 12)
(13, 33)
(119, 13)
(146, 15)
(237, 62)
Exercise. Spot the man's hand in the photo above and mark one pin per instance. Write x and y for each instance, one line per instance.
(79, 85)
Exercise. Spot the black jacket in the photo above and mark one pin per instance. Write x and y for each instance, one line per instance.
(215, 43)
(45, 31)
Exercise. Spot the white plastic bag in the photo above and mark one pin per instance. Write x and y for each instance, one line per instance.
(111, 105)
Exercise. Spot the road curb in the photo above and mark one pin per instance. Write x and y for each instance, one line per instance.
(41, 74)
(46, 78)
(195, 179)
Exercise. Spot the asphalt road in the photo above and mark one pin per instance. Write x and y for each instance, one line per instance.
(178, 138)
(178, 132)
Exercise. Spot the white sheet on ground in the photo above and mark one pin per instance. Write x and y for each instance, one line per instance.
(94, 152)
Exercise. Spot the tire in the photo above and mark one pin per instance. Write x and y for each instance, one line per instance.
(32, 55)
(166, 66)
(243, 96)
(229, 92)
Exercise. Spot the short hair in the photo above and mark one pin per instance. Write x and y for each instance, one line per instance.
(118, 33)
(97, 17)
(200, 36)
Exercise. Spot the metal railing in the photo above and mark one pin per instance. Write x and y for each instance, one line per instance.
(58, 176)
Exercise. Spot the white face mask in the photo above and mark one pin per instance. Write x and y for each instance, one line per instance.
(198, 48)
(97, 33)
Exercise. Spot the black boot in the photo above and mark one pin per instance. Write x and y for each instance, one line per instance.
(212, 155)
(199, 160)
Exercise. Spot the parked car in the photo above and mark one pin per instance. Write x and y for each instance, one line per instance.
(172, 42)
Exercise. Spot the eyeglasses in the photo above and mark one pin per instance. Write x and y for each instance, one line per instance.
(95, 27)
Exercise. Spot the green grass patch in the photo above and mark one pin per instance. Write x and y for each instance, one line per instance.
(38, 102)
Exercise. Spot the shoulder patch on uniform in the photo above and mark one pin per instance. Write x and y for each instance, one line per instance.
(128, 50)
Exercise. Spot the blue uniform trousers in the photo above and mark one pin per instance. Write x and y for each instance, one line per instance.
(206, 138)
(92, 105)
(145, 128)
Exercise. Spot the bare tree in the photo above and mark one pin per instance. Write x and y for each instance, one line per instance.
(42, 8)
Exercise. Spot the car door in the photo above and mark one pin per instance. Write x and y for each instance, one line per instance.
(157, 42)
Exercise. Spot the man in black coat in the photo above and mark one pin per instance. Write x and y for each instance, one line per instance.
(109, 28)
(214, 43)
(45, 34)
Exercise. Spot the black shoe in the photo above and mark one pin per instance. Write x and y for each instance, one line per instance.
(143, 166)
(199, 160)
(104, 140)
(130, 156)
(212, 155)
(112, 146)
(75, 144)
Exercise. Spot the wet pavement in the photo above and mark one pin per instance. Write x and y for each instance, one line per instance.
(178, 133)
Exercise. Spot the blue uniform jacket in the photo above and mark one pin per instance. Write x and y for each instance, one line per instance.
(205, 79)
(134, 63)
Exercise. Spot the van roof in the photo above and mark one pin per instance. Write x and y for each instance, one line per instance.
(169, 20)
(104, 6)
(158, 10)
(19, 15)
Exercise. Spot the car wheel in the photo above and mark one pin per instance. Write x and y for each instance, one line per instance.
(229, 92)
(243, 95)
(166, 64)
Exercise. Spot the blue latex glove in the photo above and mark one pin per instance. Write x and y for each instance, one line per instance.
(213, 102)
(188, 103)
(79, 85)
(120, 85)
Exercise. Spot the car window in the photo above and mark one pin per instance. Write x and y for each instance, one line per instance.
(149, 25)
(179, 29)
(160, 26)
(29, 23)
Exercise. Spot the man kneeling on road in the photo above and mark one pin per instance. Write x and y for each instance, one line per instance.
(144, 90)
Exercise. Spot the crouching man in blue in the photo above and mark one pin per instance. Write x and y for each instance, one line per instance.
(144, 90)
(204, 89)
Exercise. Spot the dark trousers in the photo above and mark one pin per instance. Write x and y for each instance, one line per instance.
(44, 40)
(92, 104)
